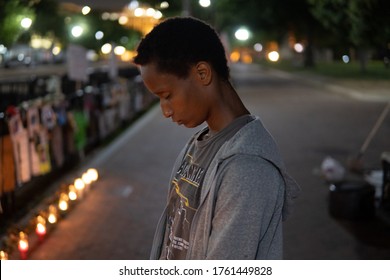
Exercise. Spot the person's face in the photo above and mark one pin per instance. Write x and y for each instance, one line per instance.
(185, 101)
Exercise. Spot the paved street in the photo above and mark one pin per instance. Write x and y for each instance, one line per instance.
(117, 218)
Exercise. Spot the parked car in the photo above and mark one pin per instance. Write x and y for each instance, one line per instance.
(19, 55)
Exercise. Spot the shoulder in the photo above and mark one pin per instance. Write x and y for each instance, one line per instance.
(250, 171)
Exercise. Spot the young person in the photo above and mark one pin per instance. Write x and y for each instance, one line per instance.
(228, 189)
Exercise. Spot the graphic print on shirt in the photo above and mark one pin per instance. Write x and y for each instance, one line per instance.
(183, 206)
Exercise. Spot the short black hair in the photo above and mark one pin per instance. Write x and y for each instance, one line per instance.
(178, 43)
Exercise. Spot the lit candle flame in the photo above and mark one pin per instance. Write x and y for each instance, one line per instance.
(93, 174)
(3, 256)
(52, 214)
(23, 242)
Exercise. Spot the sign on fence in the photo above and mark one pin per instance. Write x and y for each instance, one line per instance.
(77, 63)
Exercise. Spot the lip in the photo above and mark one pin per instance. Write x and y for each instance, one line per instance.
(179, 122)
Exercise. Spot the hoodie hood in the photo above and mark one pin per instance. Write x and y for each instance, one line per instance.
(265, 147)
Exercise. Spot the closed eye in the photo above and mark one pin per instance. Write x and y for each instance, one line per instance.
(162, 94)
(165, 95)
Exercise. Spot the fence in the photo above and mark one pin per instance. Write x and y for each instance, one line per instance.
(48, 123)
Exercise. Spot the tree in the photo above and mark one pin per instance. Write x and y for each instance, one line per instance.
(48, 22)
(362, 24)
(12, 13)
(273, 20)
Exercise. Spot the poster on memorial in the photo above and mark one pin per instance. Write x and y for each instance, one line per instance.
(39, 145)
(19, 138)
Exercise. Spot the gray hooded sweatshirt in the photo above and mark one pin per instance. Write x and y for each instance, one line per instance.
(244, 198)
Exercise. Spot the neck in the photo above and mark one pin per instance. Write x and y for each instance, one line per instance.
(227, 108)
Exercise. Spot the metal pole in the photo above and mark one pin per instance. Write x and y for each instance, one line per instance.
(186, 8)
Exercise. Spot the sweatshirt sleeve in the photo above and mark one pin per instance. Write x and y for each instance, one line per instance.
(247, 217)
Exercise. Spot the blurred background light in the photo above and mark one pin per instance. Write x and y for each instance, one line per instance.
(139, 12)
(119, 50)
(85, 10)
(242, 34)
(273, 56)
(158, 15)
(133, 5)
(99, 35)
(123, 20)
(164, 5)
(205, 3)
(298, 48)
(26, 23)
(106, 48)
(258, 47)
(77, 31)
(345, 58)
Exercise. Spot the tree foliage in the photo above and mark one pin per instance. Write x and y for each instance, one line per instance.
(11, 14)
(48, 20)
(360, 24)
(320, 23)
(113, 31)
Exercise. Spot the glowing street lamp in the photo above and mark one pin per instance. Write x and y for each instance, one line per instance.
(119, 50)
(99, 35)
(26, 23)
(106, 48)
(273, 56)
(164, 5)
(85, 10)
(139, 12)
(242, 34)
(123, 20)
(150, 12)
(258, 47)
(299, 48)
(133, 5)
(205, 3)
(77, 31)
(157, 15)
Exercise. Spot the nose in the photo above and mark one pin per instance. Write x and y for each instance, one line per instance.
(166, 110)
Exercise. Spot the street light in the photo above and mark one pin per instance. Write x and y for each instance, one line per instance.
(164, 5)
(119, 50)
(26, 23)
(258, 47)
(299, 48)
(86, 10)
(205, 3)
(77, 31)
(242, 34)
(273, 56)
(106, 48)
(99, 35)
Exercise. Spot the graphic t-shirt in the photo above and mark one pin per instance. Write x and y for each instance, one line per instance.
(184, 198)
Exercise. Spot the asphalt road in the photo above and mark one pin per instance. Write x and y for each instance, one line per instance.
(116, 220)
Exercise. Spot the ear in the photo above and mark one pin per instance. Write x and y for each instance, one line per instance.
(204, 72)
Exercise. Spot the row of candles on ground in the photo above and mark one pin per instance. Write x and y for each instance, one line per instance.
(46, 219)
